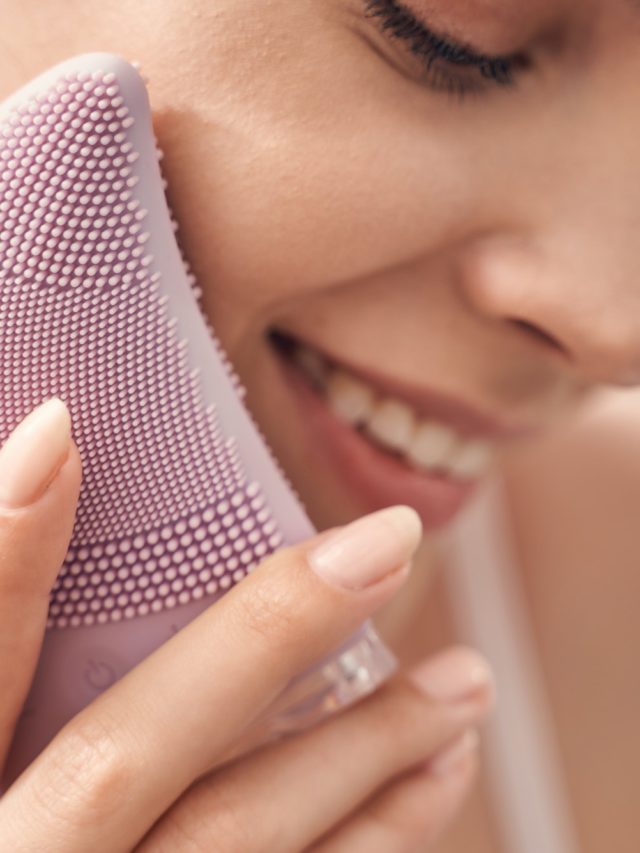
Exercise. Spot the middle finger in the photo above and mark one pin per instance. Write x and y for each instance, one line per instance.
(318, 778)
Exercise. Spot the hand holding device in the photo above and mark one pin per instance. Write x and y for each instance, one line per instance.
(168, 750)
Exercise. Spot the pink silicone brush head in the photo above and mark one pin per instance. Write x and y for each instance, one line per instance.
(181, 497)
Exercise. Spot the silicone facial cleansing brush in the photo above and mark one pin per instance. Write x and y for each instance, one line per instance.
(181, 496)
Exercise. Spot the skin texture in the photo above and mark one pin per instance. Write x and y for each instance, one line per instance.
(486, 248)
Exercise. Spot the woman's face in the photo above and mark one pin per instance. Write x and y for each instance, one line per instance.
(461, 232)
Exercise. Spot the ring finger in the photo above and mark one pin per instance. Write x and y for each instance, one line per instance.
(320, 777)
(413, 810)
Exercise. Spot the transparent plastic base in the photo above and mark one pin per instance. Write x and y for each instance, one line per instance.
(355, 670)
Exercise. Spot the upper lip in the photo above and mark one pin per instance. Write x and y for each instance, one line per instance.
(466, 419)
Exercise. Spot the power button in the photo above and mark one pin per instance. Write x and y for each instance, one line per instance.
(99, 674)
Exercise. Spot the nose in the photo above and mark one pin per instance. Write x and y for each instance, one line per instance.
(574, 293)
(557, 250)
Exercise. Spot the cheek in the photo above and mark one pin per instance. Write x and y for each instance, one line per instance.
(289, 175)
(278, 204)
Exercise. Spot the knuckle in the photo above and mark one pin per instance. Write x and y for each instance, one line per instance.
(87, 776)
(269, 612)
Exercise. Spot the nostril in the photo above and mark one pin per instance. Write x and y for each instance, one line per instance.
(537, 333)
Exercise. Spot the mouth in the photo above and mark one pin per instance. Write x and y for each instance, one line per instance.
(388, 447)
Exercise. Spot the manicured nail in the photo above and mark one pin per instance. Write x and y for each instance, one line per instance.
(456, 675)
(453, 757)
(369, 548)
(33, 454)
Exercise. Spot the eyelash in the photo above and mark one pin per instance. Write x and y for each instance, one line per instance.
(429, 47)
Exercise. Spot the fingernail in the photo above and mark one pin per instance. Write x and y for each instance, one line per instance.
(455, 675)
(33, 453)
(454, 757)
(369, 548)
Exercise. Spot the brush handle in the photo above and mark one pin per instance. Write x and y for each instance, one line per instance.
(76, 666)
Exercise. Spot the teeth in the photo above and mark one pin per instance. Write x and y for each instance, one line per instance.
(392, 424)
(426, 444)
(432, 445)
(350, 399)
(471, 459)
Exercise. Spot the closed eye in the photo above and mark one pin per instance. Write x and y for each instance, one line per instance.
(451, 66)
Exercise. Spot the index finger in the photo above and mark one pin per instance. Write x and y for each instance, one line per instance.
(39, 485)
(119, 764)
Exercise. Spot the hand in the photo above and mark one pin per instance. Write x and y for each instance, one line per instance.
(147, 765)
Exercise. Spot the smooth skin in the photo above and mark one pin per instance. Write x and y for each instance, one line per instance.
(486, 248)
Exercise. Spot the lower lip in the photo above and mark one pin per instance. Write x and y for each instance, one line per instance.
(377, 478)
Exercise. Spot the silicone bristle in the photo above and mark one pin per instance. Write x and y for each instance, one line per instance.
(83, 316)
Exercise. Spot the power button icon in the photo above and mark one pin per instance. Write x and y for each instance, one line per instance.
(99, 675)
